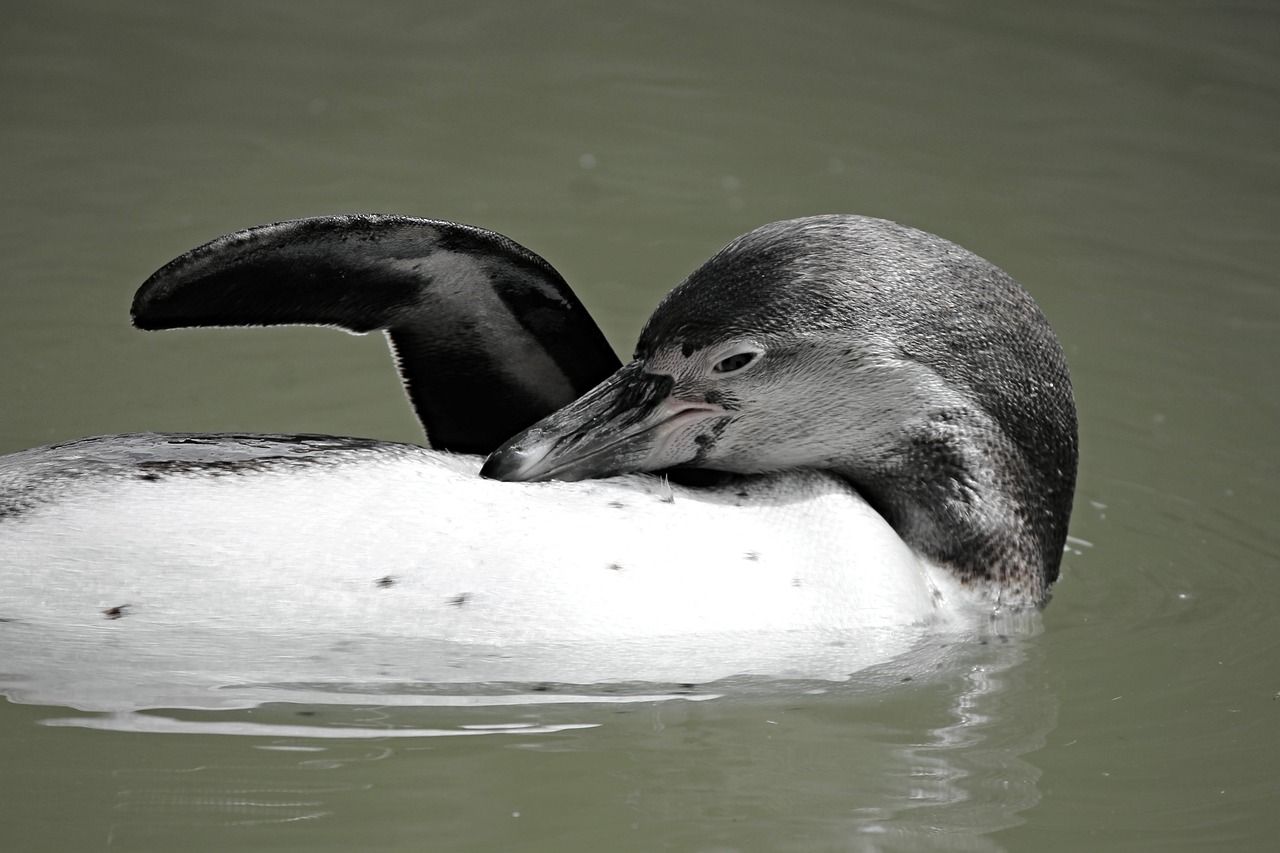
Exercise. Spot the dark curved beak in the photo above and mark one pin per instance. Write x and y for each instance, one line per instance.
(628, 423)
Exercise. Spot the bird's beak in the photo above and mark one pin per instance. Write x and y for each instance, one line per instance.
(630, 422)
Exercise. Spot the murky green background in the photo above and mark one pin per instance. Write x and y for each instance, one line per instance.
(1121, 159)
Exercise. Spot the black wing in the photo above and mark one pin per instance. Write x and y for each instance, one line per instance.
(488, 336)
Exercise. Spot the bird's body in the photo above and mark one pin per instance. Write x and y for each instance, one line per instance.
(400, 540)
(291, 546)
(892, 412)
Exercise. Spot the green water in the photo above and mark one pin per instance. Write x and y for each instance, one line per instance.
(1121, 159)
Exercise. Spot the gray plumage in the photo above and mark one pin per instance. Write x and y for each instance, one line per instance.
(42, 475)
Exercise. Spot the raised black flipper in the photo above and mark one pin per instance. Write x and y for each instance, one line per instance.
(487, 335)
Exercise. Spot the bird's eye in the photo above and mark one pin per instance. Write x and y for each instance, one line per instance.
(737, 361)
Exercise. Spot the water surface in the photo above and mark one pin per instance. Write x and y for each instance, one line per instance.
(1118, 158)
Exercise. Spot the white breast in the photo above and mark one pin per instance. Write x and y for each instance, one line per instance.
(623, 579)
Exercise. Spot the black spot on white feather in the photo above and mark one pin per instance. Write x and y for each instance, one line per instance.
(460, 599)
(117, 612)
(615, 567)
(617, 505)
(149, 477)
(797, 582)
(385, 581)
(752, 556)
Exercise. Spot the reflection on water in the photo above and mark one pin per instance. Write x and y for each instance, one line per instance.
(125, 721)
(887, 761)
(196, 666)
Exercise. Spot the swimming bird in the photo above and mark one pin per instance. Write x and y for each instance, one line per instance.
(886, 418)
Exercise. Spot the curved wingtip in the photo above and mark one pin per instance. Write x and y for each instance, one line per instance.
(299, 271)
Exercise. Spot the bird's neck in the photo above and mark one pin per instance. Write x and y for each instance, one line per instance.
(965, 519)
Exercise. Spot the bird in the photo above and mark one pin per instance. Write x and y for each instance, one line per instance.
(835, 437)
